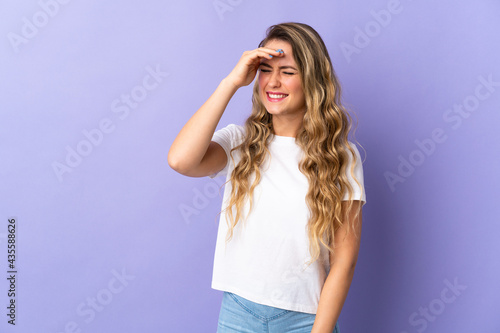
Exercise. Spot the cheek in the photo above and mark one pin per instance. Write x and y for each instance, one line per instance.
(261, 86)
(262, 82)
(295, 86)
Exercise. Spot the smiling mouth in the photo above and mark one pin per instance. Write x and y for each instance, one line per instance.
(276, 97)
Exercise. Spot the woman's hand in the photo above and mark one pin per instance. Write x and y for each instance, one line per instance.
(246, 69)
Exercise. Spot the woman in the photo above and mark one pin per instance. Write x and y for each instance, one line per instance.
(294, 189)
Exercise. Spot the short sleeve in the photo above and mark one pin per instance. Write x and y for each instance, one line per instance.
(228, 137)
(358, 190)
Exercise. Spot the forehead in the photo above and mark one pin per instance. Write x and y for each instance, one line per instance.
(286, 59)
(279, 44)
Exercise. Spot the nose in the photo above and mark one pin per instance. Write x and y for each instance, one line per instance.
(275, 79)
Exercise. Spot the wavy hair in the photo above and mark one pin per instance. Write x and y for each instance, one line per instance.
(323, 137)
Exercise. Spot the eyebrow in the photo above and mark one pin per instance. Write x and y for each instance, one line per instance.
(281, 67)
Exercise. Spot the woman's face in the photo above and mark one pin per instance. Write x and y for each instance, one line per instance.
(280, 86)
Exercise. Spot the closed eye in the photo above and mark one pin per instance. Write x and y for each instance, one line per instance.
(267, 71)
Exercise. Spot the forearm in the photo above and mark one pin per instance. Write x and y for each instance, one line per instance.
(193, 140)
(332, 298)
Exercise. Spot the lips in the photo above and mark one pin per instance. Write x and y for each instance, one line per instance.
(276, 96)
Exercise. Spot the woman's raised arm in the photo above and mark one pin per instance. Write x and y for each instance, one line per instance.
(192, 153)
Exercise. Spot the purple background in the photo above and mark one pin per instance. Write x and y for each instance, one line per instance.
(119, 209)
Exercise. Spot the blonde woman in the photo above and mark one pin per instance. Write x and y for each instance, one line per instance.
(288, 240)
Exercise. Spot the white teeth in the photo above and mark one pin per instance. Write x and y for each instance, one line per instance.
(277, 96)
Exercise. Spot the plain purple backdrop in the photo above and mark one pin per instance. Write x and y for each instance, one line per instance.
(110, 239)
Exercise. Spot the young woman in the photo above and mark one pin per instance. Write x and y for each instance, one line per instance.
(288, 243)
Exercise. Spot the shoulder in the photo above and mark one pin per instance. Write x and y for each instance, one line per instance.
(229, 136)
(238, 128)
(237, 132)
(235, 128)
(354, 147)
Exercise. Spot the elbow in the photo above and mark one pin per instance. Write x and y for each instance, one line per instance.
(351, 264)
(347, 266)
(174, 162)
(178, 164)
(352, 267)
(344, 270)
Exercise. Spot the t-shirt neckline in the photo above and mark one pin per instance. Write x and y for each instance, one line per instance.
(283, 139)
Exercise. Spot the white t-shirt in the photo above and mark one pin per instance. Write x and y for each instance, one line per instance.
(264, 261)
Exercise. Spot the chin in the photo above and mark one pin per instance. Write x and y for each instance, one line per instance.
(272, 111)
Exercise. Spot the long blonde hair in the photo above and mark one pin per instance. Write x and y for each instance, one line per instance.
(323, 137)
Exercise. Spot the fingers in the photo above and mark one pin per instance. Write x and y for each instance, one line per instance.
(264, 52)
(269, 53)
(245, 70)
